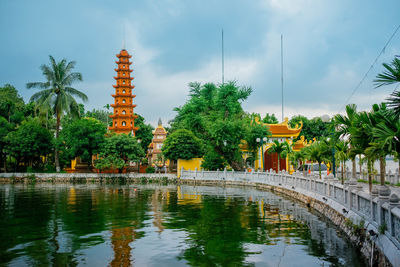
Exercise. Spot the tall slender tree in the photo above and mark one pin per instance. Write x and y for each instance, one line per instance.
(280, 149)
(57, 93)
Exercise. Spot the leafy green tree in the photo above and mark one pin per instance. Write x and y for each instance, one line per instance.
(182, 144)
(215, 115)
(57, 94)
(213, 161)
(11, 104)
(29, 142)
(271, 119)
(99, 114)
(118, 150)
(256, 131)
(83, 138)
(279, 148)
(145, 132)
(5, 129)
(314, 128)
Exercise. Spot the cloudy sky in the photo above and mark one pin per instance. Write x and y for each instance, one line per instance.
(328, 47)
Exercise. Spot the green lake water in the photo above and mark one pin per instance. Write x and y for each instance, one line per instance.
(156, 225)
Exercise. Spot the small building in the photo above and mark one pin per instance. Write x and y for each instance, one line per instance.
(154, 149)
(281, 132)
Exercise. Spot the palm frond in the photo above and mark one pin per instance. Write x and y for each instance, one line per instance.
(77, 93)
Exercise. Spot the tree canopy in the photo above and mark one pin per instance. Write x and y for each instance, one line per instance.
(182, 144)
(83, 138)
(214, 114)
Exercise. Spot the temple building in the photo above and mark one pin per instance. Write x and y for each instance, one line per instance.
(159, 135)
(281, 132)
(123, 118)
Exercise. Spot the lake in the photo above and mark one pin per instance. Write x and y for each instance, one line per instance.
(163, 225)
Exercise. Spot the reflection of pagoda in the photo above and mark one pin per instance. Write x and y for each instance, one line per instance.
(123, 117)
(120, 240)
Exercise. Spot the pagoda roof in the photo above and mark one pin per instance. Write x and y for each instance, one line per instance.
(124, 53)
(282, 129)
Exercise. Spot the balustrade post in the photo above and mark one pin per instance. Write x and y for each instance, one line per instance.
(384, 195)
(195, 172)
(374, 195)
(394, 201)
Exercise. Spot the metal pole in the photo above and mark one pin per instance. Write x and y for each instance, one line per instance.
(282, 72)
(223, 56)
(262, 154)
(333, 154)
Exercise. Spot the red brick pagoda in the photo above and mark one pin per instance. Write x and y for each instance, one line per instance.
(123, 117)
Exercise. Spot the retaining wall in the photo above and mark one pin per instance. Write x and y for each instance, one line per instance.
(372, 221)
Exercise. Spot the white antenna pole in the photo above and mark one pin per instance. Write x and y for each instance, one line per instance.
(223, 56)
(282, 72)
(124, 37)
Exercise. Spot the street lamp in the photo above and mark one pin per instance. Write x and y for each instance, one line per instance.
(138, 166)
(325, 118)
(262, 141)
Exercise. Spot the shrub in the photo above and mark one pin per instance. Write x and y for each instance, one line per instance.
(150, 169)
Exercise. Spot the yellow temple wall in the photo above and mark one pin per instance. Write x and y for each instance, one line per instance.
(190, 164)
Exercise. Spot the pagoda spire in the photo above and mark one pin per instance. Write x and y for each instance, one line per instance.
(123, 116)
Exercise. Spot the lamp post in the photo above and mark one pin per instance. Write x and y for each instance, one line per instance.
(138, 166)
(325, 118)
(262, 141)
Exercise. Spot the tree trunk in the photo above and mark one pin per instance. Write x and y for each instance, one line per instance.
(369, 175)
(382, 165)
(342, 167)
(319, 170)
(56, 152)
(354, 167)
(359, 156)
(279, 163)
(237, 166)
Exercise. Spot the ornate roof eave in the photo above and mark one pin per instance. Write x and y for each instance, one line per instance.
(124, 85)
(282, 129)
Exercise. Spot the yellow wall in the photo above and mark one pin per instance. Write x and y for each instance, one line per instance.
(189, 164)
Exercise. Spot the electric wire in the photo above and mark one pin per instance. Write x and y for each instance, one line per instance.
(370, 68)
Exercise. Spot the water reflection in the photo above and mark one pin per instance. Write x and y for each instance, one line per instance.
(176, 225)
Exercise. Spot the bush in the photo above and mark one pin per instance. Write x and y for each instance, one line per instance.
(150, 169)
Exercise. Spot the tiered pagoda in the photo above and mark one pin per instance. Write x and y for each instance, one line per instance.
(123, 117)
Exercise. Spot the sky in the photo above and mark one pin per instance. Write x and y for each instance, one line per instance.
(328, 46)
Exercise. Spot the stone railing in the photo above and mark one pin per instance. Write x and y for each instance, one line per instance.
(380, 210)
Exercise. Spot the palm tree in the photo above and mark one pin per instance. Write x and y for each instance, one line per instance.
(389, 76)
(319, 151)
(387, 133)
(345, 124)
(57, 94)
(342, 150)
(279, 148)
(364, 141)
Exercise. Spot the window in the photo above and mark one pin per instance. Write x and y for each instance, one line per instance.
(124, 112)
(159, 146)
(123, 100)
(123, 74)
(123, 82)
(123, 91)
(115, 123)
(123, 123)
(159, 137)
